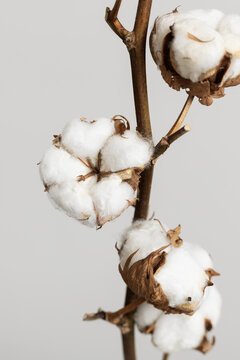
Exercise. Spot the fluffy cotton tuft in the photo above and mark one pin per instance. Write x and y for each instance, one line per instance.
(76, 182)
(145, 315)
(211, 17)
(182, 278)
(178, 332)
(111, 197)
(125, 151)
(201, 256)
(230, 24)
(74, 199)
(58, 166)
(196, 48)
(85, 139)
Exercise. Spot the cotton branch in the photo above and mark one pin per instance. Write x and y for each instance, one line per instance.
(117, 318)
(111, 18)
(176, 126)
(167, 140)
(135, 42)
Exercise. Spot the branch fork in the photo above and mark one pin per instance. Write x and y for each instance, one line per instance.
(118, 318)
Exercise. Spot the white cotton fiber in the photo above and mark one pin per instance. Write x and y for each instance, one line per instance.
(211, 17)
(178, 332)
(58, 166)
(73, 198)
(111, 197)
(125, 151)
(145, 315)
(200, 255)
(173, 333)
(182, 278)
(211, 305)
(196, 48)
(145, 236)
(229, 24)
(85, 139)
(232, 45)
(162, 28)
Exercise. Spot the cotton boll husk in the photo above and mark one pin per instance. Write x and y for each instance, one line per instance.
(181, 278)
(200, 255)
(145, 315)
(211, 17)
(230, 24)
(73, 198)
(193, 58)
(85, 139)
(174, 333)
(125, 151)
(145, 236)
(58, 166)
(111, 197)
(211, 305)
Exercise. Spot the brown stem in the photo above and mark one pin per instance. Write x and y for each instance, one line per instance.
(166, 356)
(176, 126)
(136, 44)
(166, 141)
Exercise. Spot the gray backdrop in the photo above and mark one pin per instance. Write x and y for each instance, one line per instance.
(60, 60)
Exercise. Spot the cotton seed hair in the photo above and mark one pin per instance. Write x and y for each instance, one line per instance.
(158, 266)
(198, 51)
(92, 169)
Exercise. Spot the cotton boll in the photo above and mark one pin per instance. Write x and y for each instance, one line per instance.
(125, 151)
(85, 139)
(73, 198)
(178, 332)
(211, 305)
(182, 279)
(230, 24)
(211, 17)
(111, 197)
(200, 255)
(196, 48)
(144, 236)
(145, 315)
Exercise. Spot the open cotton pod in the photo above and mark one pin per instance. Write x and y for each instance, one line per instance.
(198, 51)
(92, 169)
(157, 266)
(176, 332)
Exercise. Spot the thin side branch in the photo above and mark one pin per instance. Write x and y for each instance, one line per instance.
(166, 141)
(176, 126)
(118, 318)
(111, 18)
